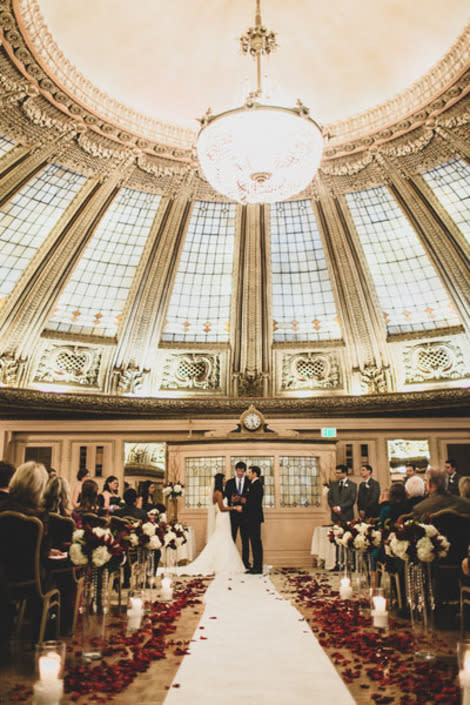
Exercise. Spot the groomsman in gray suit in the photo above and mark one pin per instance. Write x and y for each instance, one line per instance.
(342, 496)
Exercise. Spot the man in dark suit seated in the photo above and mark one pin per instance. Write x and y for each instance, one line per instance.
(439, 497)
(130, 509)
(368, 495)
(6, 473)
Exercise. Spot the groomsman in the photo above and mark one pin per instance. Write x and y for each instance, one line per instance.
(368, 495)
(254, 517)
(236, 489)
(453, 479)
(342, 496)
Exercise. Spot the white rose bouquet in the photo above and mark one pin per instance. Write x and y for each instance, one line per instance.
(173, 490)
(416, 542)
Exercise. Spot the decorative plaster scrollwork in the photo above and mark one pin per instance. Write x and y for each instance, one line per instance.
(310, 370)
(191, 371)
(11, 369)
(251, 384)
(440, 359)
(347, 168)
(33, 109)
(96, 148)
(374, 379)
(70, 364)
(401, 148)
(127, 379)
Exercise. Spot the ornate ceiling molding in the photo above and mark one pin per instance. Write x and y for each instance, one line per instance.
(16, 403)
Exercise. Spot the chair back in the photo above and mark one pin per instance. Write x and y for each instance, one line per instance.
(93, 519)
(60, 531)
(456, 527)
(20, 547)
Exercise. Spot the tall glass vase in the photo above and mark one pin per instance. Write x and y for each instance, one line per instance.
(140, 569)
(363, 572)
(420, 598)
(93, 611)
(172, 509)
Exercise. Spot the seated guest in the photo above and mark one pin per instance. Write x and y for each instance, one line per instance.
(130, 509)
(82, 475)
(88, 501)
(57, 496)
(395, 506)
(146, 494)
(450, 467)
(464, 486)
(466, 563)
(368, 495)
(439, 497)
(110, 493)
(415, 489)
(6, 473)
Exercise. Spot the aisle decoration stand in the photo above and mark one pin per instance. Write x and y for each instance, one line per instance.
(356, 540)
(100, 552)
(172, 491)
(418, 545)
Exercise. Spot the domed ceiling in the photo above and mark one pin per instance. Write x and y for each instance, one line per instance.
(130, 287)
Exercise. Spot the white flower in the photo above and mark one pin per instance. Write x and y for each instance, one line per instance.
(430, 530)
(179, 540)
(376, 537)
(361, 543)
(345, 538)
(166, 491)
(100, 532)
(77, 534)
(133, 539)
(163, 517)
(425, 549)
(148, 528)
(100, 556)
(362, 527)
(177, 488)
(400, 548)
(154, 543)
(76, 555)
(169, 537)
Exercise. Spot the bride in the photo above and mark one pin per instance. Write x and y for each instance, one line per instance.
(220, 554)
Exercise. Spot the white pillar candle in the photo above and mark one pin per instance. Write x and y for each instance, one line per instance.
(464, 679)
(379, 613)
(49, 666)
(48, 692)
(135, 613)
(345, 589)
(167, 590)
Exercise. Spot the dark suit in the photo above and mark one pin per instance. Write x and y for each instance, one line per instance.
(453, 484)
(238, 519)
(130, 510)
(368, 498)
(343, 496)
(434, 503)
(253, 511)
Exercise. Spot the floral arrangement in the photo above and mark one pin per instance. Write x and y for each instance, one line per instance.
(173, 535)
(173, 490)
(356, 534)
(416, 542)
(144, 535)
(96, 547)
(156, 516)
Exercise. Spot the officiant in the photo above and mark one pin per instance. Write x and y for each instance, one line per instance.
(236, 490)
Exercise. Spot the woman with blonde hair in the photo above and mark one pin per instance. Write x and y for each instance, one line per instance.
(26, 489)
(58, 497)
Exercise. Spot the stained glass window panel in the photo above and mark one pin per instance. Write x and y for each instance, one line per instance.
(266, 465)
(199, 307)
(28, 218)
(299, 481)
(199, 480)
(302, 295)
(5, 145)
(409, 290)
(451, 185)
(93, 300)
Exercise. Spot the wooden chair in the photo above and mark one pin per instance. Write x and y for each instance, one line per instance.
(464, 603)
(66, 576)
(20, 557)
(94, 520)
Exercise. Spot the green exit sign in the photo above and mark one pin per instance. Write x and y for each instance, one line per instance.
(328, 433)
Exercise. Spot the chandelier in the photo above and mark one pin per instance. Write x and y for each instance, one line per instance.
(259, 153)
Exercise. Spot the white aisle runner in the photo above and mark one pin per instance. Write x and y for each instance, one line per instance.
(256, 649)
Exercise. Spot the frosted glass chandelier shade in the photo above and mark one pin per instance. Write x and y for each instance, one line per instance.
(260, 154)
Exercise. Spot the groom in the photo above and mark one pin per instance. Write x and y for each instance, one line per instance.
(236, 490)
(253, 511)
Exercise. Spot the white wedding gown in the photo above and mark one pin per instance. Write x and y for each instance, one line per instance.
(220, 555)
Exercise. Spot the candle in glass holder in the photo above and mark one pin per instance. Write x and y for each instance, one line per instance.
(135, 612)
(379, 613)
(345, 589)
(167, 589)
(49, 689)
(463, 651)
